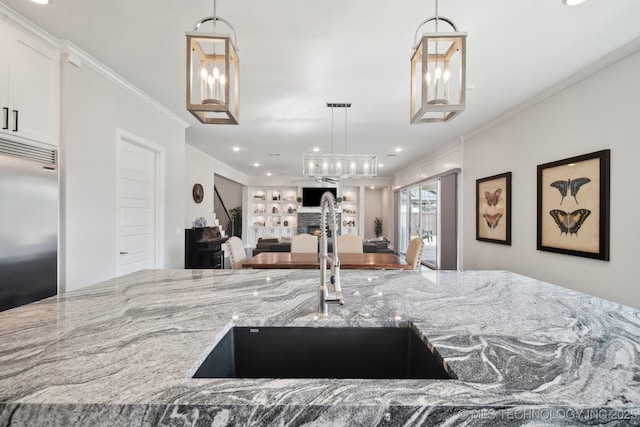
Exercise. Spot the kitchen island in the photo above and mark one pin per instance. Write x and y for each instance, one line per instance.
(122, 352)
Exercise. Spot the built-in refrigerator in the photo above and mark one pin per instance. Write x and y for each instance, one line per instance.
(29, 205)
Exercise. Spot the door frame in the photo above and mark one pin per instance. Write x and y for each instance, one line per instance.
(160, 180)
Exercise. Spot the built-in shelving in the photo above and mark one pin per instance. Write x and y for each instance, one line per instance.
(274, 213)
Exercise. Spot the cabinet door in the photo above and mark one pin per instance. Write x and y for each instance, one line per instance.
(33, 89)
(5, 44)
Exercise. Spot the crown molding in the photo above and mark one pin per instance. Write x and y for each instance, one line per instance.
(591, 69)
(15, 19)
(78, 57)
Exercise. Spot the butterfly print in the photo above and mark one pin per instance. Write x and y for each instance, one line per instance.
(492, 198)
(572, 185)
(569, 223)
(492, 220)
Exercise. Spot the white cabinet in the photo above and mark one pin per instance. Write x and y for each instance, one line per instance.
(29, 87)
(274, 213)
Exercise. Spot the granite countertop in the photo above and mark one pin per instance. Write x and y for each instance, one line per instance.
(120, 352)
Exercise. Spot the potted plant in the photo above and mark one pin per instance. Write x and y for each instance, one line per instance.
(377, 226)
(236, 216)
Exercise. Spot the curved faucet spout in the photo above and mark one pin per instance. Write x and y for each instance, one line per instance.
(331, 293)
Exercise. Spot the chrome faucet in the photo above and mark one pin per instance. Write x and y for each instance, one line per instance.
(331, 294)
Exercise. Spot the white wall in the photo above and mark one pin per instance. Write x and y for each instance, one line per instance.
(597, 113)
(200, 170)
(373, 207)
(93, 108)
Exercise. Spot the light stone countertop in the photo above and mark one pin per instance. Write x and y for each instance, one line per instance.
(120, 352)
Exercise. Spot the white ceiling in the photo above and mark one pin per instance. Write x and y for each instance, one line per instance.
(297, 55)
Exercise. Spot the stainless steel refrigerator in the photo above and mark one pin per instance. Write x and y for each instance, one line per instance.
(28, 224)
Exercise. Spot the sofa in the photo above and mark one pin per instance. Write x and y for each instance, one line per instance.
(380, 245)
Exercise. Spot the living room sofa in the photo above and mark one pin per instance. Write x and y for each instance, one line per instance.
(277, 245)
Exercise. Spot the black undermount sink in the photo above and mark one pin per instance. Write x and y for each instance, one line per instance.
(322, 352)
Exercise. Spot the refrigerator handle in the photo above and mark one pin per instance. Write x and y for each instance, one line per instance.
(6, 118)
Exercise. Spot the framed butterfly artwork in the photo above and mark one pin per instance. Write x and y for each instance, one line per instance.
(573, 205)
(493, 209)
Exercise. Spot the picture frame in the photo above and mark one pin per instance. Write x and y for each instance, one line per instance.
(493, 209)
(573, 209)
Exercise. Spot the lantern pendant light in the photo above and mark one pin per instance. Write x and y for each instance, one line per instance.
(438, 73)
(213, 72)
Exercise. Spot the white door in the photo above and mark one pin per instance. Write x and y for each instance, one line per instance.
(137, 208)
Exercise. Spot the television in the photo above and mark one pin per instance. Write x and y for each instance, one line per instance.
(311, 195)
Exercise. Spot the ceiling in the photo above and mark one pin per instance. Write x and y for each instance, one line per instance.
(297, 55)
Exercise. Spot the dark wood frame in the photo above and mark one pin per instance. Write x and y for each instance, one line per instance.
(481, 201)
(198, 193)
(603, 193)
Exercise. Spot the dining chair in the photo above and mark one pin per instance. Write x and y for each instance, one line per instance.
(414, 253)
(304, 243)
(237, 254)
(349, 244)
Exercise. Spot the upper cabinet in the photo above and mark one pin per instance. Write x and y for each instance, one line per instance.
(29, 87)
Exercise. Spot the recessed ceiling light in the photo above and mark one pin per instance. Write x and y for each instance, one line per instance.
(380, 165)
(236, 148)
(316, 149)
(268, 173)
(572, 2)
(41, 1)
(255, 165)
(398, 150)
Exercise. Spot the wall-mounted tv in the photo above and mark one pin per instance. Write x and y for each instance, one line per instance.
(311, 195)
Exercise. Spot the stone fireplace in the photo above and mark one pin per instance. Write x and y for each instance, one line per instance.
(309, 223)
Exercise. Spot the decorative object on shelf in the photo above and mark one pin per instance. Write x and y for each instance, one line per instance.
(331, 167)
(299, 199)
(213, 74)
(200, 222)
(377, 226)
(438, 73)
(493, 209)
(274, 209)
(286, 223)
(568, 223)
(198, 193)
(339, 199)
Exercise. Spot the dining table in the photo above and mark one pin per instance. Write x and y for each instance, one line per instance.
(372, 260)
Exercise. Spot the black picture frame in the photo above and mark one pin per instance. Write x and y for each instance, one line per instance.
(573, 205)
(493, 209)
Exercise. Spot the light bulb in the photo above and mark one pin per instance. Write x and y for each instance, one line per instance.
(427, 77)
(216, 73)
(438, 73)
(203, 73)
(210, 80)
(447, 75)
(223, 79)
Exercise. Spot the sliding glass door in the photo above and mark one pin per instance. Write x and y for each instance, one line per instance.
(418, 217)
(428, 210)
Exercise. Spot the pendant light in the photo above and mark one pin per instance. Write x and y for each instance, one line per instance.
(213, 72)
(331, 167)
(438, 73)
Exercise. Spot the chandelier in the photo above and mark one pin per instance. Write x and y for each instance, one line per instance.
(335, 166)
(213, 72)
(438, 73)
